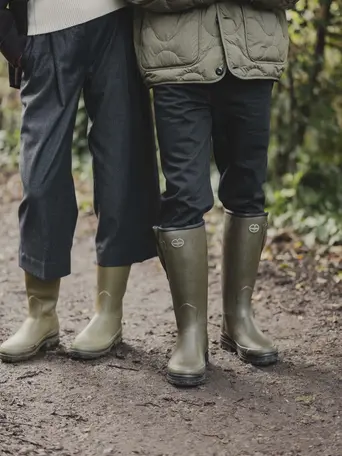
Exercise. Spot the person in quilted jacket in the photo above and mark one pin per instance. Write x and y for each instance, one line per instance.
(63, 48)
(212, 66)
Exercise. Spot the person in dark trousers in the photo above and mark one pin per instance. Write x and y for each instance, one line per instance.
(212, 67)
(75, 46)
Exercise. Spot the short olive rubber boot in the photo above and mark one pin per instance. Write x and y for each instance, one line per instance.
(243, 241)
(184, 256)
(104, 331)
(40, 331)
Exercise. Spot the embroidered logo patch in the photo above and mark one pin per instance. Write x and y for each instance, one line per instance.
(177, 243)
(254, 228)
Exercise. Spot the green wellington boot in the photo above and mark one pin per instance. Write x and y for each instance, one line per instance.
(40, 331)
(184, 257)
(104, 331)
(243, 241)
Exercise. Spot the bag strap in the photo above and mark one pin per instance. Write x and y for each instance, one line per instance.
(19, 11)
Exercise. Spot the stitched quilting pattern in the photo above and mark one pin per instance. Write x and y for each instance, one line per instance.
(190, 46)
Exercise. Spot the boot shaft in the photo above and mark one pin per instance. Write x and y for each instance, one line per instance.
(184, 256)
(111, 288)
(243, 241)
(104, 331)
(42, 295)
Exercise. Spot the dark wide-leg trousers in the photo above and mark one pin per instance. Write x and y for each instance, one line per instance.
(97, 58)
(230, 118)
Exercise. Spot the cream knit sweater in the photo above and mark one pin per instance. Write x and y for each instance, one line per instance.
(46, 16)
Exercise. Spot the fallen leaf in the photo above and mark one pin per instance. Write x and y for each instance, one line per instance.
(306, 399)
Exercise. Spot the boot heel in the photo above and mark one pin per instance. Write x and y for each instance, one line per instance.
(51, 343)
(207, 358)
(228, 345)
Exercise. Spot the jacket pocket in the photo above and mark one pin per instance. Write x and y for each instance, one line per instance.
(266, 34)
(169, 40)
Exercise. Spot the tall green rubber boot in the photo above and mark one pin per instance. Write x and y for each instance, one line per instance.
(243, 241)
(104, 331)
(184, 256)
(40, 331)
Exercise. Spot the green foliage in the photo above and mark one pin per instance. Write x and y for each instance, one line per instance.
(81, 157)
(304, 188)
(309, 203)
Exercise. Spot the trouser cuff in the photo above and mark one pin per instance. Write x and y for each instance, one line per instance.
(182, 228)
(245, 215)
(44, 270)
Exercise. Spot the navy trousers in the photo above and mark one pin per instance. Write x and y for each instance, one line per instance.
(97, 58)
(230, 118)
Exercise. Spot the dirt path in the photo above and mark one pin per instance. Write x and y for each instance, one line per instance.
(123, 406)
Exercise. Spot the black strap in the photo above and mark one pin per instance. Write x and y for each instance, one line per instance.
(19, 11)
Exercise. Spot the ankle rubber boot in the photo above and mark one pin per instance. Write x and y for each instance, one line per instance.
(40, 331)
(104, 331)
(184, 256)
(243, 241)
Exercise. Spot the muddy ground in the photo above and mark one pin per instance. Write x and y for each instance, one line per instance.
(122, 405)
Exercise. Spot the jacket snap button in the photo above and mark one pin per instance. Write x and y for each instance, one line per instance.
(219, 71)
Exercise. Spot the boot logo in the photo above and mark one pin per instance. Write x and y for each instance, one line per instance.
(177, 243)
(254, 228)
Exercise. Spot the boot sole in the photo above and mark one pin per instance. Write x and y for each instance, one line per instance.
(188, 380)
(267, 359)
(47, 344)
(90, 355)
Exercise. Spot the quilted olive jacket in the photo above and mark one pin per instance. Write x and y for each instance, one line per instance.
(182, 41)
